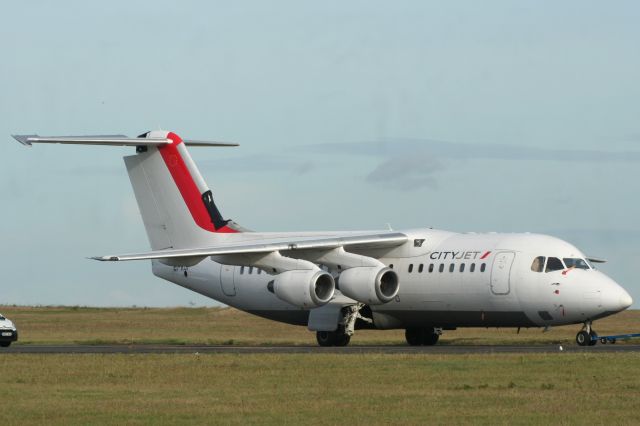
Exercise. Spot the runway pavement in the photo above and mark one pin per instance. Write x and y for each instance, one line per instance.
(438, 349)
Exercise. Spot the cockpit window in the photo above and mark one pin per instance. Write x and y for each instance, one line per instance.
(554, 264)
(2, 318)
(538, 264)
(576, 263)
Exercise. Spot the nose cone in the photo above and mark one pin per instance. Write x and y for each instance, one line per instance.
(625, 300)
(614, 297)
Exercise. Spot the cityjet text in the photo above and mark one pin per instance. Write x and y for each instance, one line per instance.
(458, 255)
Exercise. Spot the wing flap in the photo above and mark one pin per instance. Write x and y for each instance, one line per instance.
(289, 246)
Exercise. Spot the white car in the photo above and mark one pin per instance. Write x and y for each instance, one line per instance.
(8, 332)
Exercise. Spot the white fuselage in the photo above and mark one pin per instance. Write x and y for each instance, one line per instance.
(447, 280)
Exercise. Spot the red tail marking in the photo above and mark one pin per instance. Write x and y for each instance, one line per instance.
(187, 186)
(485, 255)
(226, 230)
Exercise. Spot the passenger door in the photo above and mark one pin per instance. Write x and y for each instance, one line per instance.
(501, 272)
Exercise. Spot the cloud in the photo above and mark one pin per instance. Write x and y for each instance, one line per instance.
(471, 151)
(303, 168)
(406, 173)
(410, 164)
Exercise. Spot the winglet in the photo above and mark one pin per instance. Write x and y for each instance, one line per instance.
(105, 258)
(23, 139)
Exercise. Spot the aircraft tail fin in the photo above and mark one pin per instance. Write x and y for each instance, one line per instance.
(176, 204)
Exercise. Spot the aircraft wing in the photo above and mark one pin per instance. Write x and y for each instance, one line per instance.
(365, 241)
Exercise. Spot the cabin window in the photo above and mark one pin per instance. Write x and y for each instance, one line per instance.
(538, 264)
(472, 267)
(483, 267)
(259, 271)
(441, 267)
(420, 268)
(554, 264)
(576, 263)
(410, 267)
(452, 267)
(391, 266)
(462, 267)
(430, 267)
(241, 270)
(251, 269)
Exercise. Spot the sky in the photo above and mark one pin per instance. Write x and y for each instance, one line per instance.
(465, 116)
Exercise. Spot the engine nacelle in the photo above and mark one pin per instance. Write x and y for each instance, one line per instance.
(372, 285)
(304, 288)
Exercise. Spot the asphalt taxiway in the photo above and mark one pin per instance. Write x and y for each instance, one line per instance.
(355, 349)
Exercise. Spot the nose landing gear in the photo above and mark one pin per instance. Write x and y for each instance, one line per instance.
(586, 336)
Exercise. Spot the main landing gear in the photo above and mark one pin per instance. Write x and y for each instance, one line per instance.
(346, 327)
(419, 336)
(586, 336)
(332, 338)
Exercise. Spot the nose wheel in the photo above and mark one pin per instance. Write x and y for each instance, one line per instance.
(586, 336)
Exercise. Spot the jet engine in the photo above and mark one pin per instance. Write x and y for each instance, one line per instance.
(303, 288)
(372, 285)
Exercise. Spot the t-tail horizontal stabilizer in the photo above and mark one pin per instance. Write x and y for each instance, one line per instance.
(113, 140)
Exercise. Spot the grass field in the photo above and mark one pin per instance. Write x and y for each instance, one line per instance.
(553, 388)
(557, 388)
(56, 325)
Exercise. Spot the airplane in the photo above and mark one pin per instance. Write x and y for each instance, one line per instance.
(424, 280)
